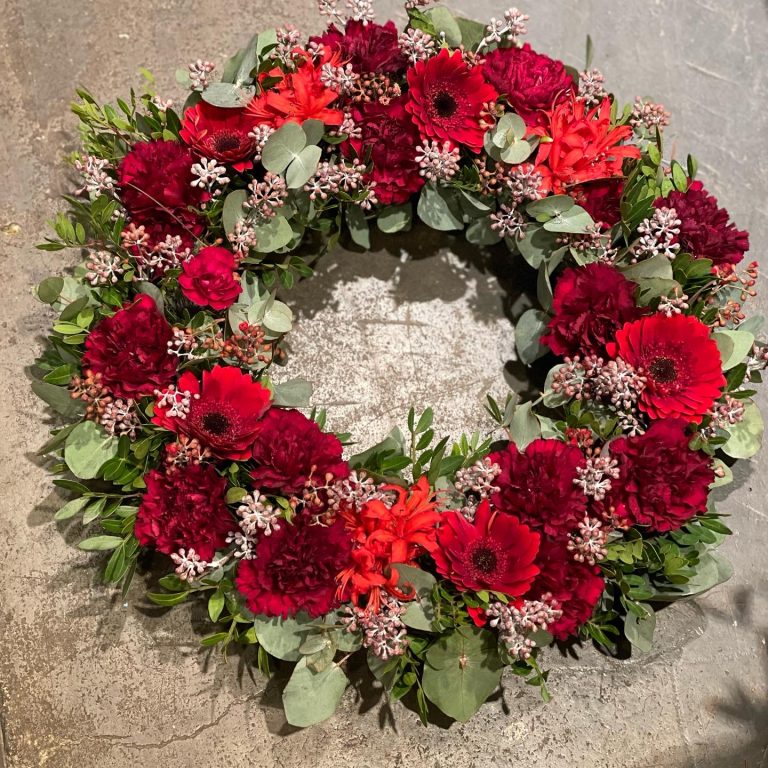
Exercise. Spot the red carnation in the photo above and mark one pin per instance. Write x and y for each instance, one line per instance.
(295, 569)
(367, 46)
(388, 136)
(591, 303)
(530, 81)
(576, 586)
(705, 229)
(224, 413)
(662, 483)
(155, 180)
(583, 147)
(601, 200)
(447, 98)
(494, 552)
(208, 278)
(680, 360)
(292, 452)
(537, 486)
(220, 133)
(184, 509)
(130, 349)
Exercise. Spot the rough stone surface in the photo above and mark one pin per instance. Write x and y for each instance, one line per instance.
(86, 681)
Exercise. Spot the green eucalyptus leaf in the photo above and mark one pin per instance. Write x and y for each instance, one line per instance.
(59, 398)
(283, 147)
(358, 226)
(278, 318)
(657, 266)
(303, 167)
(273, 235)
(438, 209)
(311, 697)
(518, 151)
(314, 130)
(479, 232)
(87, 449)
(537, 245)
(50, 289)
(524, 427)
(283, 637)
(548, 207)
(711, 570)
(528, 332)
(444, 21)
(746, 437)
(232, 211)
(462, 670)
(295, 393)
(420, 612)
(574, 220)
(228, 95)
(395, 218)
(639, 630)
(734, 346)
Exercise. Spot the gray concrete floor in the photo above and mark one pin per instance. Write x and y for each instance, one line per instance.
(86, 681)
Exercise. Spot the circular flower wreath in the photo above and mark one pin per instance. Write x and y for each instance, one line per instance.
(447, 562)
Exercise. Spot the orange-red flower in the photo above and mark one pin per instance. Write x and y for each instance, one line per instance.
(299, 96)
(387, 533)
(580, 145)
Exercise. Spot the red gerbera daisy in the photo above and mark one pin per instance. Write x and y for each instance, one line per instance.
(299, 96)
(221, 134)
(447, 98)
(680, 360)
(224, 413)
(495, 552)
(583, 147)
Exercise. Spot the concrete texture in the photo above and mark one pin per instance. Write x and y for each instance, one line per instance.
(87, 681)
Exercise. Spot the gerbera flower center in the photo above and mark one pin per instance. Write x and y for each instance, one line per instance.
(225, 141)
(484, 560)
(444, 104)
(216, 423)
(663, 370)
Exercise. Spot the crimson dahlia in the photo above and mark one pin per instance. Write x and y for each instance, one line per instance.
(447, 99)
(389, 137)
(184, 509)
(494, 552)
(208, 278)
(295, 569)
(224, 412)
(220, 133)
(679, 358)
(662, 483)
(705, 229)
(530, 81)
(536, 485)
(291, 452)
(130, 349)
(590, 304)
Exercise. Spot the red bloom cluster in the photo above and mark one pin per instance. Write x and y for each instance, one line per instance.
(705, 229)
(447, 99)
(155, 180)
(130, 350)
(184, 509)
(681, 361)
(291, 453)
(384, 534)
(295, 569)
(209, 278)
(536, 485)
(532, 83)
(494, 552)
(224, 413)
(367, 46)
(662, 483)
(590, 304)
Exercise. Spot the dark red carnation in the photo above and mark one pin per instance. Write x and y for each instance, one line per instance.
(292, 452)
(208, 278)
(447, 98)
(224, 413)
(184, 509)
(576, 586)
(591, 303)
(295, 569)
(531, 82)
(680, 361)
(705, 229)
(220, 133)
(495, 552)
(368, 47)
(388, 136)
(662, 483)
(601, 200)
(130, 349)
(537, 486)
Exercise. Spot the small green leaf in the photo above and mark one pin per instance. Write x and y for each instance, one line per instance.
(524, 427)
(71, 508)
(87, 449)
(283, 147)
(228, 95)
(100, 543)
(50, 289)
(232, 212)
(303, 167)
(216, 605)
(311, 697)
(358, 226)
(283, 637)
(395, 218)
(438, 209)
(528, 332)
(295, 393)
(639, 630)
(734, 346)
(746, 437)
